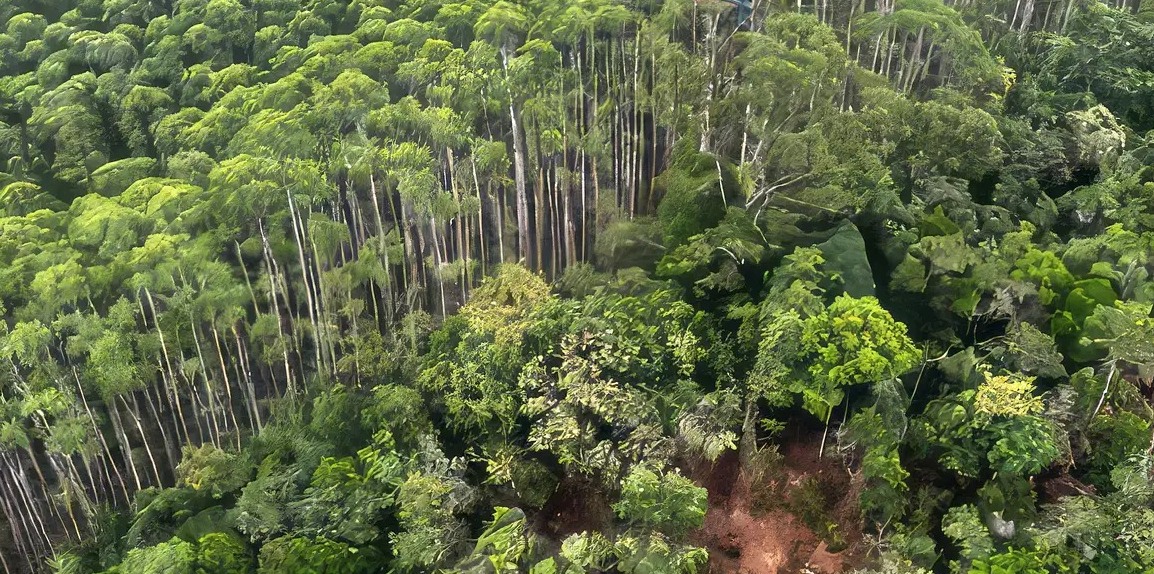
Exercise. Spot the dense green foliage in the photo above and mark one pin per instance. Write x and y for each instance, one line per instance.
(387, 285)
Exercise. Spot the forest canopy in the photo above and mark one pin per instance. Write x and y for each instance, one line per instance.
(560, 287)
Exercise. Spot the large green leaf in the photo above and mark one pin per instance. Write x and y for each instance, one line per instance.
(845, 255)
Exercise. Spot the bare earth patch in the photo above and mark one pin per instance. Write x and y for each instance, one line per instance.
(752, 528)
(772, 544)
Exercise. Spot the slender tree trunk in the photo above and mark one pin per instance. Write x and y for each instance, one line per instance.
(925, 72)
(20, 480)
(143, 437)
(42, 482)
(227, 384)
(100, 438)
(66, 482)
(168, 373)
(416, 253)
(915, 62)
(439, 262)
(877, 52)
(298, 235)
(460, 231)
(171, 450)
(1027, 16)
(651, 204)
(1066, 16)
(481, 196)
(518, 171)
(168, 446)
(397, 211)
(570, 238)
(325, 341)
(382, 249)
(501, 205)
(290, 385)
(582, 160)
(122, 438)
(74, 487)
(638, 129)
(90, 479)
(3, 560)
(209, 395)
(243, 359)
(555, 221)
(18, 524)
(413, 250)
(539, 208)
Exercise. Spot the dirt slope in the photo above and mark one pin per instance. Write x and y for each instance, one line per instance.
(758, 525)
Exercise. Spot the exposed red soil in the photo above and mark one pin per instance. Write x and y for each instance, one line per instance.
(752, 525)
(750, 528)
(775, 543)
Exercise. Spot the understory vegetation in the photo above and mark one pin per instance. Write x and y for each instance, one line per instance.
(476, 286)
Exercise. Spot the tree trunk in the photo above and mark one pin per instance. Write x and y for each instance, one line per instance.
(20, 483)
(382, 250)
(1027, 16)
(460, 230)
(518, 172)
(298, 235)
(439, 263)
(18, 522)
(290, 386)
(227, 385)
(168, 373)
(132, 411)
(243, 359)
(208, 394)
(103, 442)
(171, 450)
(539, 207)
(481, 196)
(122, 438)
